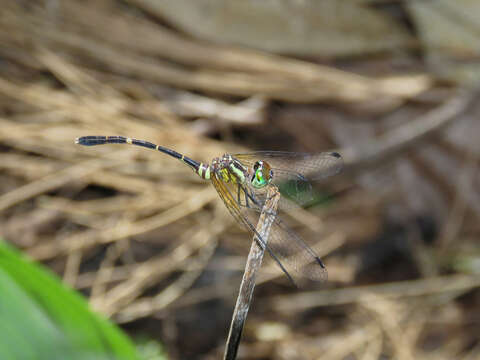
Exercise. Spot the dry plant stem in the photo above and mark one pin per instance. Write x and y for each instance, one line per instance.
(254, 261)
(53, 181)
(90, 238)
(146, 306)
(439, 285)
(274, 76)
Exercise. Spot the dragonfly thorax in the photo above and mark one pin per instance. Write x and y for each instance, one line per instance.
(230, 170)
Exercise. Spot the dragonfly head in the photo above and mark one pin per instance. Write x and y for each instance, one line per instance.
(262, 175)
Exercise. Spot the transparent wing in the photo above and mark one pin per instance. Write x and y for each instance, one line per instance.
(286, 244)
(287, 249)
(232, 206)
(293, 164)
(292, 198)
(293, 172)
(294, 187)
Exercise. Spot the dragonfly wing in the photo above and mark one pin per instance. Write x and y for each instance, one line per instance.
(287, 249)
(293, 186)
(293, 172)
(226, 195)
(289, 200)
(295, 252)
(310, 166)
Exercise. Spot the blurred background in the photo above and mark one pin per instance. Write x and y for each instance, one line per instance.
(389, 84)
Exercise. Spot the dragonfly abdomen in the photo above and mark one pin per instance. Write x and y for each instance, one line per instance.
(203, 171)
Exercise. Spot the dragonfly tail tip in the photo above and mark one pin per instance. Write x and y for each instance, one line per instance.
(320, 262)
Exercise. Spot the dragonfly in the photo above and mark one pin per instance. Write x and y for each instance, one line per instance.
(242, 181)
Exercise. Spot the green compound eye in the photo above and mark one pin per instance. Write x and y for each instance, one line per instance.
(259, 176)
(263, 174)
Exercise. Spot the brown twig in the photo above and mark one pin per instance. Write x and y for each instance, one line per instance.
(401, 289)
(254, 261)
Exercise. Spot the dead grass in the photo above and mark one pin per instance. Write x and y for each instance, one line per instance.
(144, 238)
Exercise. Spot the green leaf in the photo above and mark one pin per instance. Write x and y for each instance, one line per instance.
(150, 349)
(40, 318)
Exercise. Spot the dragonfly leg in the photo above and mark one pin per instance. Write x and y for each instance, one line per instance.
(265, 246)
(256, 202)
(270, 198)
(252, 197)
(238, 195)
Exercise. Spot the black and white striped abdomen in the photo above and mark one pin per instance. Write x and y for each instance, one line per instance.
(204, 171)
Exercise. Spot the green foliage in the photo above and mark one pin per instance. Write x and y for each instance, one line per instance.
(150, 349)
(40, 318)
